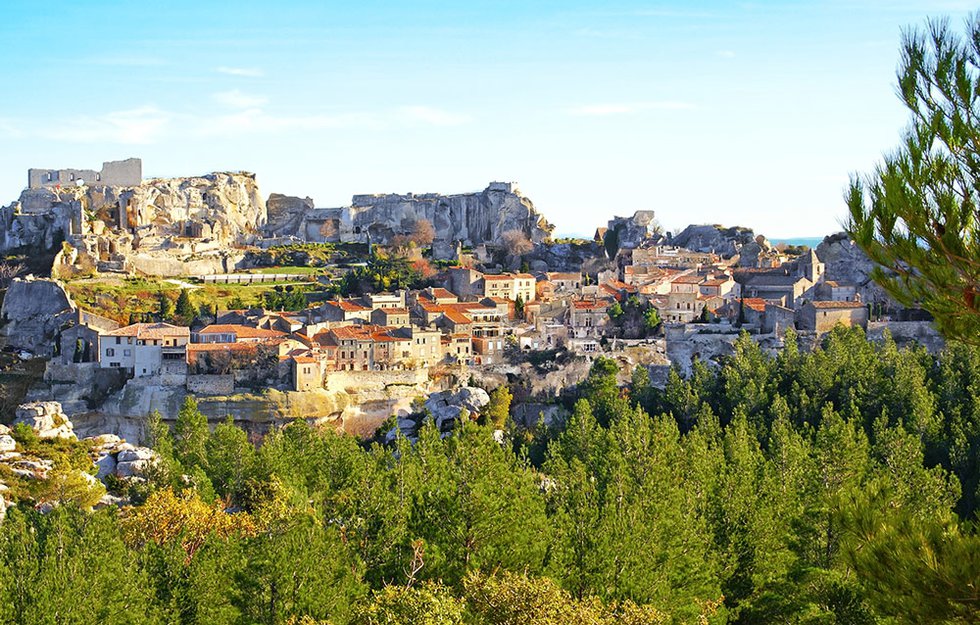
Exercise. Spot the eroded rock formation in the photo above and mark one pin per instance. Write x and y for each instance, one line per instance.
(714, 239)
(33, 312)
(163, 226)
(472, 218)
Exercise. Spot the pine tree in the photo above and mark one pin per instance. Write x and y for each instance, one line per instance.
(165, 307)
(185, 309)
(190, 435)
(916, 215)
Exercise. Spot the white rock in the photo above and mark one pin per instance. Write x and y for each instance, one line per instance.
(107, 465)
(138, 453)
(105, 440)
(46, 418)
(133, 468)
(4, 429)
(7, 442)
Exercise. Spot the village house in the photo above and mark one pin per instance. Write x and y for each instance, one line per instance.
(234, 333)
(307, 374)
(509, 286)
(788, 285)
(376, 301)
(144, 348)
(588, 317)
(821, 317)
(565, 282)
(390, 317)
(458, 348)
(343, 310)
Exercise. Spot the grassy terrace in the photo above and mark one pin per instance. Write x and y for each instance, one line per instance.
(117, 298)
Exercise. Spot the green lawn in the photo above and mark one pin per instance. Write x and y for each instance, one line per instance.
(117, 298)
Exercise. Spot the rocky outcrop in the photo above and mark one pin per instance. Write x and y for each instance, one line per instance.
(163, 226)
(33, 312)
(472, 218)
(847, 263)
(46, 419)
(287, 215)
(445, 409)
(714, 239)
(630, 232)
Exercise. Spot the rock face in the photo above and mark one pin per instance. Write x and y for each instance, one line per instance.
(287, 215)
(847, 263)
(630, 232)
(46, 419)
(714, 239)
(33, 311)
(473, 218)
(445, 409)
(163, 226)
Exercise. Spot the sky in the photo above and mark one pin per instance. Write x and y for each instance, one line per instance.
(739, 113)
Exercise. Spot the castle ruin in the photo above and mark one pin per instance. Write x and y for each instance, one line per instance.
(126, 173)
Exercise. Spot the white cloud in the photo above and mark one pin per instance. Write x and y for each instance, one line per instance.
(248, 72)
(433, 116)
(244, 115)
(726, 54)
(134, 126)
(255, 120)
(238, 100)
(626, 108)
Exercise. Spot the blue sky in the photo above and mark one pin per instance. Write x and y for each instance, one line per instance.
(748, 113)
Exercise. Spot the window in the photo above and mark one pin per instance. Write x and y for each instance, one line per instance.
(127, 352)
(118, 340)
(113, 364)
(110, 352)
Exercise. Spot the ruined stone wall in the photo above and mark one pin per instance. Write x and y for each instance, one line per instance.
(211, 384)
(125, 173)
(355, 381)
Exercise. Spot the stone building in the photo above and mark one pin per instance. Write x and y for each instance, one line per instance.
(821, 317)
(126, 173)
(144, 348)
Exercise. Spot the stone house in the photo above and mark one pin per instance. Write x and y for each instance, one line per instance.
(397, 317)
(509, 286)
(144, 348)
(588, 317)
(821, 317)
(565, 282)
(234, 333)
(307, 375)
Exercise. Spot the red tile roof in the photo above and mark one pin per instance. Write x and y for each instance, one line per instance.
(152, 331)
(457, 317)
(241, 331)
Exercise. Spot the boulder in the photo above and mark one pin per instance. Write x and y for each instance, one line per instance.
(33, 312)
(45, 418)
(106, 465)
(7, 443)
(715, 239)
(136, 468)
(448, 405)
(137, 453)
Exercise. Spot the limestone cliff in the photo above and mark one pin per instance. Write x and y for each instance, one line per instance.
(847, 263)
(714, 239)
(33, 313)
(473, 218)
(163, 226)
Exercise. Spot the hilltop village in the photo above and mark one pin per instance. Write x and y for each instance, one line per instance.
(274, 309)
